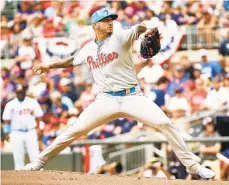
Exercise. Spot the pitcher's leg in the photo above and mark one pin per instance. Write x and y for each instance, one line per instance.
(178, 145)
(146, 111)
(96, 114)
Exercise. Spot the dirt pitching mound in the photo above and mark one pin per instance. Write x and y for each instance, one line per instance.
(67, 178)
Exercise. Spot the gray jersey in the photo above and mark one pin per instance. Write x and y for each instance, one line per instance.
(111, 62)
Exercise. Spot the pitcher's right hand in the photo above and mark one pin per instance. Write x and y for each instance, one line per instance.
(41, 68)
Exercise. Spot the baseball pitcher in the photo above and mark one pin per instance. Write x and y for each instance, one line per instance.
(110, 60)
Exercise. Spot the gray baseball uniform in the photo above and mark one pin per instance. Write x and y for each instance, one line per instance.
(111, 65)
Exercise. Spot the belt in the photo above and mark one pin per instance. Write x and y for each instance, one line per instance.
(123, 92)
(23, 130)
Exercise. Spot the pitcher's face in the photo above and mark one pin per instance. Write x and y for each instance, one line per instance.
(105, 25)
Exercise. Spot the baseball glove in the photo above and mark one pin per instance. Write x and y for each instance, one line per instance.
(150, 45)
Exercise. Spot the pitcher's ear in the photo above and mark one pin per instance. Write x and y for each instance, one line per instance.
(95, 25)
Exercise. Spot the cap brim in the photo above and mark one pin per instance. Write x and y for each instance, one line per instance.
(113, 16)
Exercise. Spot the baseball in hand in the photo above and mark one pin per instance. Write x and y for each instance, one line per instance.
(39, 71)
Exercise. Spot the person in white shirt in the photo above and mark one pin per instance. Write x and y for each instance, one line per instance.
(26, 53)
(23, 113)
(217, 96)
(154, 168)
(179, 102)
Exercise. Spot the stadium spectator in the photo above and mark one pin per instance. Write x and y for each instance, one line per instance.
(188, 67)
(25, 8)
(20, 79)
(154, 168)
(58, 107)
(179, 120)
(37, 8)
(103, 131)
(209, 68)
(123, 126)
(205, 26)
(208, 151)
(150, 73)
(26, 53)
(7, 86)
(189, 88)
(198, 97)
(68, 90)
(197, 71)
(217, 96)
(5, 37)
(178, 80)
(49, 30)
(208, 21)
(36, 26)
(86, 97)
(178, 102)
(182, 15)
(224, 21)
(73, 114)
(45, 101)
(148, 70)
(16, 38)
(158, 94)
(54, 10)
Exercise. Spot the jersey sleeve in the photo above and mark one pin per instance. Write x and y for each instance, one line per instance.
(79, 57)
(128, 36)
(7, 114)
(37, 109)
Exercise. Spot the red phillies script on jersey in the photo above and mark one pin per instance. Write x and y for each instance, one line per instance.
(101, 60)
(23, 111)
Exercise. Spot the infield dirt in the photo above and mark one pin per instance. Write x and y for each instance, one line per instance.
(75, 178)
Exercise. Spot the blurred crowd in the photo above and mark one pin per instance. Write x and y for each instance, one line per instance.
(58, 18)
(180, 90)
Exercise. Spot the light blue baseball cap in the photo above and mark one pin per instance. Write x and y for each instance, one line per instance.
(101, 14)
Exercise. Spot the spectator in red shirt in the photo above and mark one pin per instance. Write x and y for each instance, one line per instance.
(189, 87)
(198, 97)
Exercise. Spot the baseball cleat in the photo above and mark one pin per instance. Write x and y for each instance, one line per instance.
(34, 166)
(203, 172)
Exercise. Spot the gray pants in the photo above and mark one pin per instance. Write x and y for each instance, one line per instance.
(106, 108)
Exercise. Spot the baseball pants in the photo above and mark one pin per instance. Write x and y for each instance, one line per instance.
(106, 108)
(22, 141)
